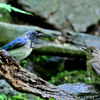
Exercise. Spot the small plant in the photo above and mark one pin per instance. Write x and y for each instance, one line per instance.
(24, 62)
(71, 77)
(20, 96)
(10, 8)
(44, 99)
(3, 97)
(49, 38)
(42, 58)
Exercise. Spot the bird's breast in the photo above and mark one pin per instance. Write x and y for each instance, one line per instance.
(21, 52)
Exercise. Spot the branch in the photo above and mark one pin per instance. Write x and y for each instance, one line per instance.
(25, 81)
(65, 50)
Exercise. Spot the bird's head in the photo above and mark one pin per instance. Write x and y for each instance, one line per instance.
(32, 35)
(91, 52)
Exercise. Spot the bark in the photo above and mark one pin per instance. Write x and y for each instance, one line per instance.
(25, 81)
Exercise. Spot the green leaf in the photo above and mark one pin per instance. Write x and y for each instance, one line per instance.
(21, 11)
(7, 7)
(10, 8)
(3, 97)
(52, 99)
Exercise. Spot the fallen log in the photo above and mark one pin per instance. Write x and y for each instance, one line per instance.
(24, 81)
(70, 47)
(57, 49)
(8, 31)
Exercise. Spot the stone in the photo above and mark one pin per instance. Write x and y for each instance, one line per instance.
(74, 15)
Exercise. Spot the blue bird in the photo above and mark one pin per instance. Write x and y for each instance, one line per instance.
(22, 46)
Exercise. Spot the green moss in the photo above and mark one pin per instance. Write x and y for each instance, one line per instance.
(24, 62)
(70, 77)
(50, 38)
(42, 58)
(20, 96)
(5, 16)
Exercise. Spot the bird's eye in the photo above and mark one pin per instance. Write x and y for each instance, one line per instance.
(91, 50)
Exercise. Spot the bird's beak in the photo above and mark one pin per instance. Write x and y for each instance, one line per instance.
(84, 48)
(40, 34)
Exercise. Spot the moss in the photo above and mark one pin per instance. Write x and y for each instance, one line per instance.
(71, 77)
(5, 16)
(20, 96)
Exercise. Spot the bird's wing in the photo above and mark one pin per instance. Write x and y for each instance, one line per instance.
(96, 67)
(15, 43)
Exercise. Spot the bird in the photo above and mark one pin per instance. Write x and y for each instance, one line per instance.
(93, 63)
(22, 46)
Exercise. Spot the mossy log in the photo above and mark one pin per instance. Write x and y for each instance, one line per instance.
(8, 32)
(57, 49)
(71, 47)
(25, 81)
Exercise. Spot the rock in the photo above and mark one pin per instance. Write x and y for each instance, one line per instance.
(64, 14)
(3, 1)
(79, 90)
(82, 90)
(6, 89)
